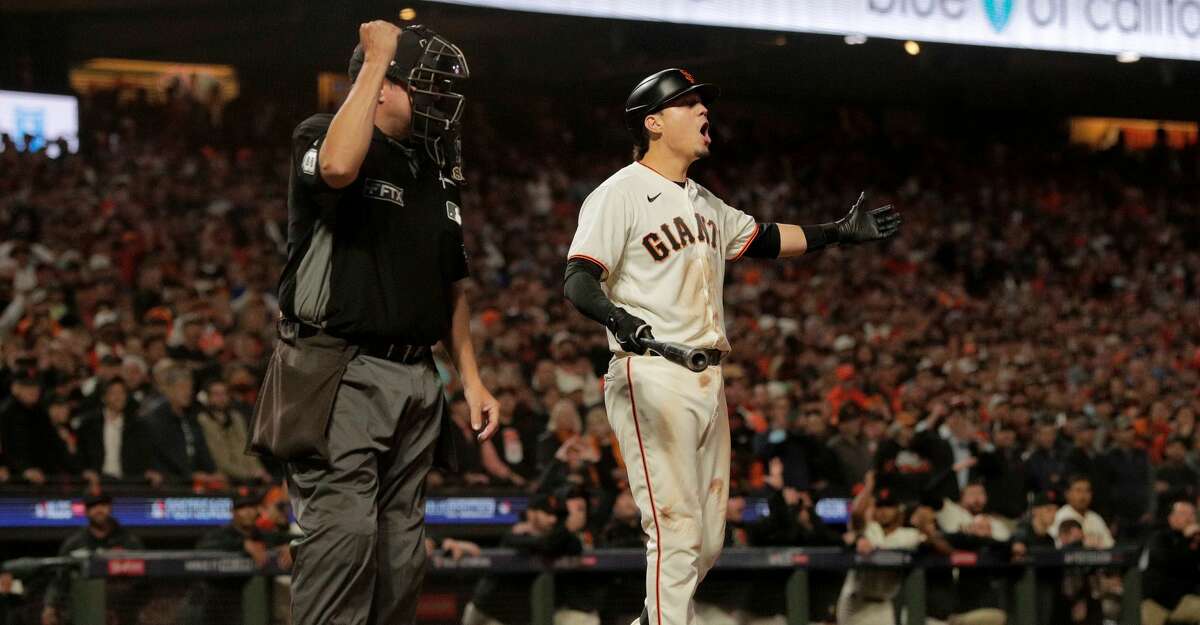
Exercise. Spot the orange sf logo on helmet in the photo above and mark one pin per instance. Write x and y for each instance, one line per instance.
(688, 76)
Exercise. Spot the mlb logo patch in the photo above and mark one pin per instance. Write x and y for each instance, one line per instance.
(453, 213)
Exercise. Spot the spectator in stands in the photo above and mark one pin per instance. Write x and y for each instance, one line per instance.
(185, 346)
(1193, 456)
(543, 533)
(624, 529)
(1079, 601)
(1003, 473)
(573, 373)
(791, 520)
(564, 425)
(25, 430)
(156, 395)
(952, 449)
(12, 596)
(809, 463)
(1174, 479)
(274, 512)
(134, 373)
(470, 460)
(103, 533)
(510, 456)
(1083, 459)
(179, 453)
(63, 447)
(900, 466)
(224, 428)
(1184, 422)
(741, 596)
(1044, 464)
(852, 449)
(214, 601)
(497, 466)
(1033, 532)
(575, 464)
(111, 439)
(599, 436)
(969, 515)
(90, 389)
(577, 596)
(780, 418)
(971, 596)
(243, 535)
(1096, 534)
(1171, 581)
(1128, 481)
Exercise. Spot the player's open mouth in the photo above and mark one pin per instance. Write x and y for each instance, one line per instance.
(704, 133)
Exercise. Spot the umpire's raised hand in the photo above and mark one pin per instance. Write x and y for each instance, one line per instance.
(861, 225)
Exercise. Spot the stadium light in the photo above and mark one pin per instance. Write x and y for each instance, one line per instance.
(1128, 56)
(408, 14)
(912, 48)
(855, 39)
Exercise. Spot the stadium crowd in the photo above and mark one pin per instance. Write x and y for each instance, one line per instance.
(1020, 369)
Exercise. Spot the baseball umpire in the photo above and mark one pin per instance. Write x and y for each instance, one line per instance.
(374, 278)
(648, 262)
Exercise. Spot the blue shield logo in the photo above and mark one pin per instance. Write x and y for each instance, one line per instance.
(998, 12)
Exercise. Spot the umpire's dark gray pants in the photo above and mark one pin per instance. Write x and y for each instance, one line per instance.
(361, 560)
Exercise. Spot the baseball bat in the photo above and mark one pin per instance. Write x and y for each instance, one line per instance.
(678, 353)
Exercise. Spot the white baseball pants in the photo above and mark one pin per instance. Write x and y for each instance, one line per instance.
(672, 425)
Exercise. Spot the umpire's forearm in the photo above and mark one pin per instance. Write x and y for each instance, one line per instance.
(345, 145)
(458, 339)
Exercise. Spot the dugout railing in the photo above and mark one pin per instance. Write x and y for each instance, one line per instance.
(92, 576)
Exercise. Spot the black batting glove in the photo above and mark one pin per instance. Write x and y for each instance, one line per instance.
(862, 226)
(629, 331)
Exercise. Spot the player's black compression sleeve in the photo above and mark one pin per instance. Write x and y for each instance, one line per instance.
(581, 284)
(766, 244)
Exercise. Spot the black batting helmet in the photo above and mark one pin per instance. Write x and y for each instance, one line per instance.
(657, 90)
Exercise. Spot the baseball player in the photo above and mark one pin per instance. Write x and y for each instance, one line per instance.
(877, 522)
(648, 261)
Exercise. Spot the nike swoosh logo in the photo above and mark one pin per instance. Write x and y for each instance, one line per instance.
(651, 199)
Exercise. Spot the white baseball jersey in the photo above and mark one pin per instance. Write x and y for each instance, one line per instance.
(867, 594)
(953, 519)
(1093, 526)
(663, 249)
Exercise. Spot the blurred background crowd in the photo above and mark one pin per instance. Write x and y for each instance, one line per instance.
(1037, 322)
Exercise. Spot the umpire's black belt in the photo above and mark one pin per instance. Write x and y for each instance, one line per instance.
(714, 355)
(395, 352)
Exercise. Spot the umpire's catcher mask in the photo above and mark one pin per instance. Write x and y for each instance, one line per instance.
(428, 65)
